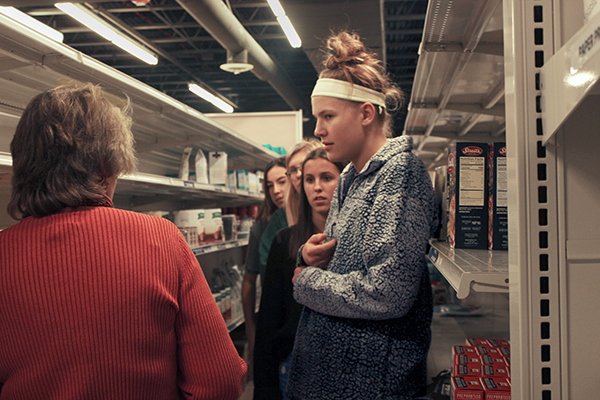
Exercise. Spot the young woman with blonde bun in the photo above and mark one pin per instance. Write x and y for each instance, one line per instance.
(364, 332)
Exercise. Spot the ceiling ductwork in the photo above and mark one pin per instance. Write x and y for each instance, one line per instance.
(224, 27)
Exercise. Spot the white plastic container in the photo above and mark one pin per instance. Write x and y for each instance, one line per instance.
(191, 219)
(213, 225)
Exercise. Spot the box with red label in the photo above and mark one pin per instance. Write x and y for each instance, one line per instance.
(467, 195)
(459, 350)
(497, 197)
(504, 351)
(484, 350)
(466, 388)
(498, 342)
(496, 388)
(477, 342)
(466, 365)
(491, 371)
(467, 370)
(493, 360)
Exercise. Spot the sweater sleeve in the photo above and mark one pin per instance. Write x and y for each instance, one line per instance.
(393, 252)
(208, 364)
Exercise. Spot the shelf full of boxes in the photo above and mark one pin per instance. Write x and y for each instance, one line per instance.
(163, 128)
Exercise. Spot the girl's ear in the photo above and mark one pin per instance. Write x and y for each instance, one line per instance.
(369, 113)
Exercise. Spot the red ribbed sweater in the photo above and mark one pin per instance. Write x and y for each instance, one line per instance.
(102, 303)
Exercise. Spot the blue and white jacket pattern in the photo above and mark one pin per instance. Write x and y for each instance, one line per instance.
(365, 330)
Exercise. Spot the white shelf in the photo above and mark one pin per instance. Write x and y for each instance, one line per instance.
(162, 125)
(231, 325)
(570, 76)
(466, 270)
(142, 191)
(212, 247)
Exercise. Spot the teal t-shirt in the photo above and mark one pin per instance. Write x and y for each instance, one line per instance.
(278, 221)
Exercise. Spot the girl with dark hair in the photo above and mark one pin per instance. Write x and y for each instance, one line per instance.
(279, 313)
(274, 187)
(365, 329)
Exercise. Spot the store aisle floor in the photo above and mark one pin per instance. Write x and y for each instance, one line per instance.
(448, 331)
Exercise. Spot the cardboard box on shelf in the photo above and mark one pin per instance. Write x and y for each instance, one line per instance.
(466, 388)
(217, 167)
(467, 195)
(495, 388)
(497, 197)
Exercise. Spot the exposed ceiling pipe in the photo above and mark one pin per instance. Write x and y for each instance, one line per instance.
(224, 27)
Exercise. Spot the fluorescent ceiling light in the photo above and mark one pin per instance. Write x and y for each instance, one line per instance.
(285, 23)
(289, 31)
(32, 23)
(276, 7)
(95, 23)
(206, 95)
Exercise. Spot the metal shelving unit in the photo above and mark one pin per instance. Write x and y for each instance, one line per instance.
(162, 128)
(212, 247)
(466, 270)
(550, 87)
(458, 94)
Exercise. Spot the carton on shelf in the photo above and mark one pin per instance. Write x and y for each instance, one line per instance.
(497, 197)
(466, 388)
(213, 225)
(467, 195)
(496, 388)
(217, 167)
(193, 222)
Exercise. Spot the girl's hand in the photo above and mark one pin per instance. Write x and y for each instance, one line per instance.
(317, 252)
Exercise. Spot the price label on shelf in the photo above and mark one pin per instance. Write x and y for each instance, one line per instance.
(434, 256)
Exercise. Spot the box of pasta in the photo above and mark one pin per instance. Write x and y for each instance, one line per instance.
(466, 388)
(497, 197)
(467, 195)
(496, 388)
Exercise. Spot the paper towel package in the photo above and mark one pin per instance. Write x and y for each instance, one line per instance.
(217, 167)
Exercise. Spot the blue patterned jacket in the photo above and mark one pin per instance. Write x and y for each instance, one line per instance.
(366, 327)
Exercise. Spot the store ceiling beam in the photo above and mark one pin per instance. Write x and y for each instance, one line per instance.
(222, 25)
(193, 77)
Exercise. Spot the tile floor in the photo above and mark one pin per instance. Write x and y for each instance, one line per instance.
(448, 331)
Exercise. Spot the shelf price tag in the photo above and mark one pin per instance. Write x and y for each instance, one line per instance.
(189, 184)
(200, 250)
(222, 246)
(586, 46)
(434, 256)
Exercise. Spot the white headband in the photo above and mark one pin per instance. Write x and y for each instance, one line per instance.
(345, 90)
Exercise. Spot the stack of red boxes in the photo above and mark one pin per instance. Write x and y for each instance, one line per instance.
(481, 370)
